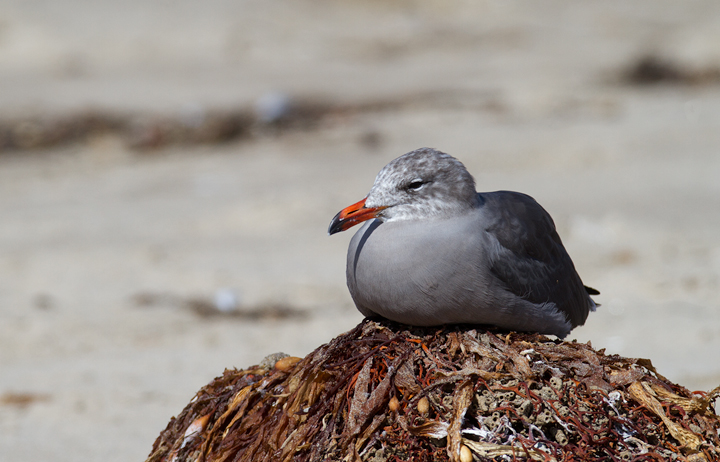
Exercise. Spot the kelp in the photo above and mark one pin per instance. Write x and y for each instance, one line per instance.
(389, 392)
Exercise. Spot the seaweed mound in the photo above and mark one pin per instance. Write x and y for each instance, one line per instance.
(385, 391)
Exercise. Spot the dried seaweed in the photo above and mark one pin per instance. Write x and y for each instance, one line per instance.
(387, 392)
(199, 125)
(651, 69)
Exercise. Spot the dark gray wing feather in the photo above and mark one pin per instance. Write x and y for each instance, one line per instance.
(531, 260)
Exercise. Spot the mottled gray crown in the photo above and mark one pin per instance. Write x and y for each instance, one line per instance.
(424, 183)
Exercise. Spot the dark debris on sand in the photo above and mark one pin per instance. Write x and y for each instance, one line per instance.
(654, 70)
(147, 132)
(387, 392)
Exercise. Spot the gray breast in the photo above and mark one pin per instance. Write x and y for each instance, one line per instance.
(433, 272)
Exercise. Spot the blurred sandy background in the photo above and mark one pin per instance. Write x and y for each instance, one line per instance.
(161, 159)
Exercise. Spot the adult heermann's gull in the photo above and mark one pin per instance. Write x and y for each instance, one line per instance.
(438, 252)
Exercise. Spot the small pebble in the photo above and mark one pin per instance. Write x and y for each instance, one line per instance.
(272, 107)
(270, 360)
(423, 406)
(465, 454)
(226, 300)
(393, 405)
(287, 363)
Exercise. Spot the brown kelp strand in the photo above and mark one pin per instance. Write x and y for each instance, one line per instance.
(388, 392)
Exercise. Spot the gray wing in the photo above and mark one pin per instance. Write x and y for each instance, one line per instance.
(531, 260)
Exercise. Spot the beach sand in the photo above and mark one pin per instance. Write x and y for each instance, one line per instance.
(111, 257)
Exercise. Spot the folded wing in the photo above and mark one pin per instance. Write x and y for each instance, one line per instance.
(529, 258)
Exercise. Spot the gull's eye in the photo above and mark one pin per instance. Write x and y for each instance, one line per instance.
(414, 185)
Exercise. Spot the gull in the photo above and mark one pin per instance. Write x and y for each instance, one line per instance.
(435, 251)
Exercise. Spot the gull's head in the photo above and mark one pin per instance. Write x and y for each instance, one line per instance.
(422, 184)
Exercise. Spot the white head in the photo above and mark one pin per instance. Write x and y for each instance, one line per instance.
(421, 184)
